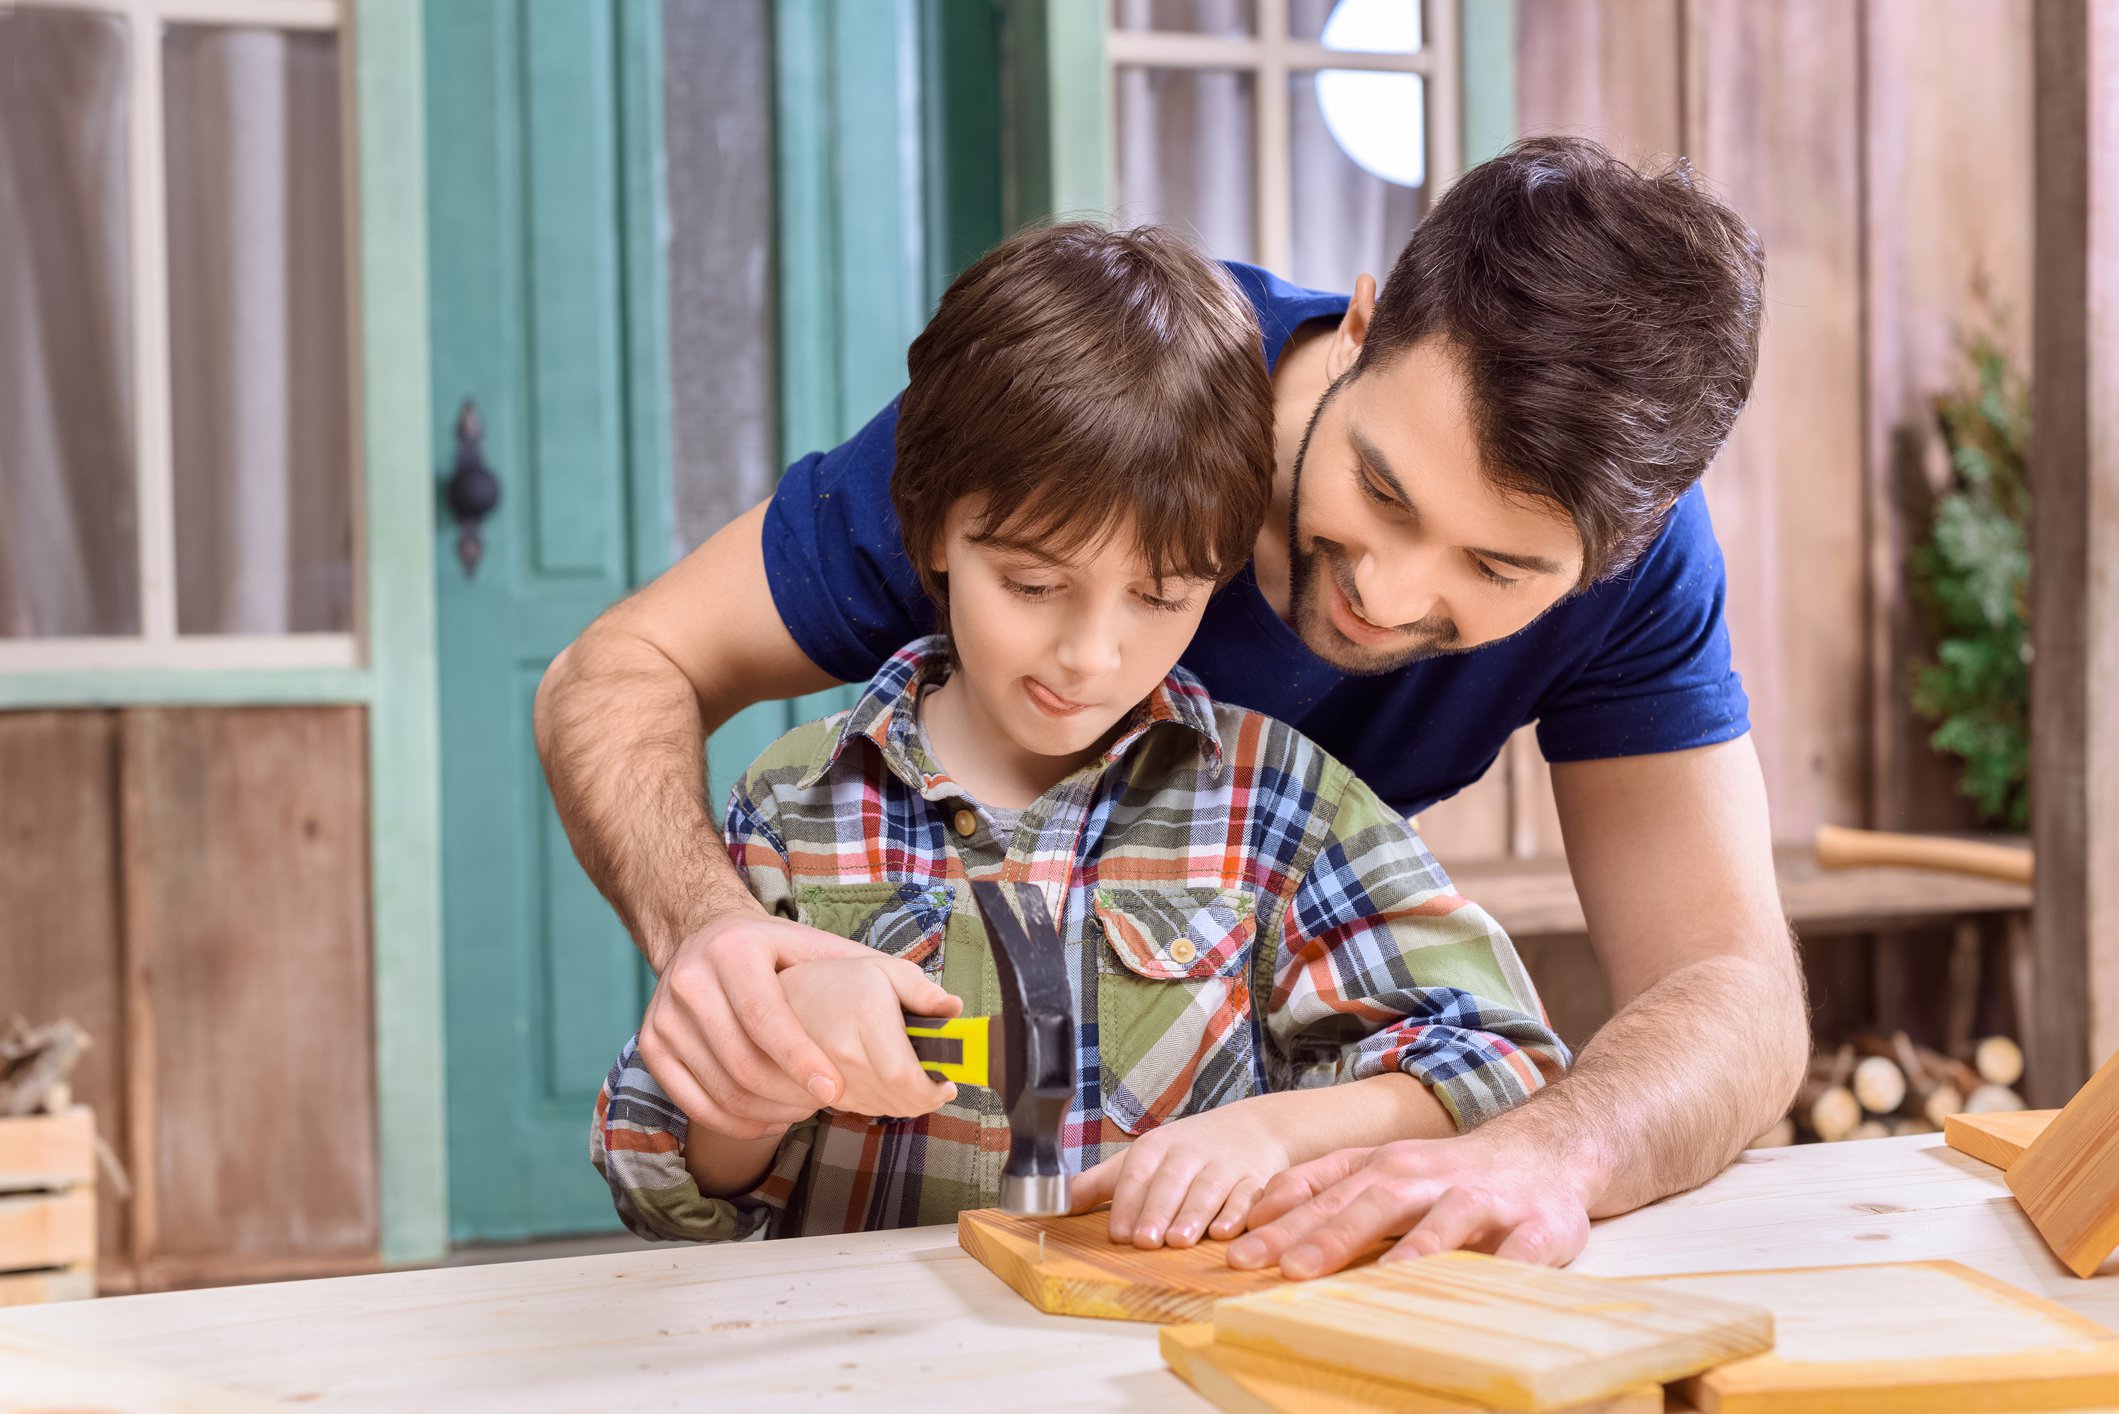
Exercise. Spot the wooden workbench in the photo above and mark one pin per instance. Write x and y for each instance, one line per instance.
(901, 1319)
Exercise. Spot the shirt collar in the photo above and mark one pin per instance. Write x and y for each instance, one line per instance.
(885, 716)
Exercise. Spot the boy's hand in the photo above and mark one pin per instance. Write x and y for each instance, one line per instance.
(1191, 1177)
(854, 1009)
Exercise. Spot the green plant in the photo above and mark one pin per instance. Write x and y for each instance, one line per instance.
(1972, 577)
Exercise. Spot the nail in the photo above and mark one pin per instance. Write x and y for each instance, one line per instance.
(1151, 1234)
(821, 1087)
(1246, 1252)
(1303, 1261)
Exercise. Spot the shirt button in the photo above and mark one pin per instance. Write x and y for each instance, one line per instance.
(966, 823)
(1182, 951)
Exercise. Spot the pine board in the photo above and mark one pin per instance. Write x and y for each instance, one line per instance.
(1997, 1139)
(1501, 1334)
(1245, 1381)
(2068, 1178)
(1903, 1338)
(45, 1152)
(1080, 1271)
(47, 1230)
(38, 1376)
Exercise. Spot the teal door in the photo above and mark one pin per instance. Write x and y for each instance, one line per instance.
(546, 307)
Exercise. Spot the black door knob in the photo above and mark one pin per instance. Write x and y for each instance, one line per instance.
(473, 490)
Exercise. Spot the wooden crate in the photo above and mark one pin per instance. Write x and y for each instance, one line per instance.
(48, 1207)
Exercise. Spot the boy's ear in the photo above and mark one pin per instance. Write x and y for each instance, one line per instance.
(1353, 329)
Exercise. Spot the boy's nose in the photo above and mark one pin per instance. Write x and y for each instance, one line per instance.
(1089, 651)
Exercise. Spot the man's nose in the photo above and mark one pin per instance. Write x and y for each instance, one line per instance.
(1398, 594)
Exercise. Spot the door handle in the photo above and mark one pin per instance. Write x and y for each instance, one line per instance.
(473, 490)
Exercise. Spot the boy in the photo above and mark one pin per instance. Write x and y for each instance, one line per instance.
(1246, 924)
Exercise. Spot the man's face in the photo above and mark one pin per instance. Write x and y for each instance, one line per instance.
(1056, 652)
(1400, 547)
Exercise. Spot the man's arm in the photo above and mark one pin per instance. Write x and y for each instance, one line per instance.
(622, 719)
(1672, 858)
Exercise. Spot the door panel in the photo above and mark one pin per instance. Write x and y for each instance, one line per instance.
(533, 227)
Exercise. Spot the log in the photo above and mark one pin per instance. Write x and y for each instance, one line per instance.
(1992, 1099)
(1998, 1060)
(1871, 1129)
(1880, 1085)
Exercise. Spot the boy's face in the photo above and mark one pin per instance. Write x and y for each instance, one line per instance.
(1055, 653)
(1400, 546)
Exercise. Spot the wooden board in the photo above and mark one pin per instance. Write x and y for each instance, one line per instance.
(47, 1151)
(1248, 1381)
(248, 961)
(1504, 1334)
(2068, 1179)
(35, 1288)
(1998, 1139)
(47, 1230)
(1903, 1338)
(38, 1376)
(1080, 1271)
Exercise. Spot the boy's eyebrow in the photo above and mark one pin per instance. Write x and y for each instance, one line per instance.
(1373, 456)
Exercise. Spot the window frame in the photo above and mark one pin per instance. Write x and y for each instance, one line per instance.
(289, 667)
(1272, 57)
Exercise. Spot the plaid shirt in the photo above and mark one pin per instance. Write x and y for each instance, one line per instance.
(1240, 915)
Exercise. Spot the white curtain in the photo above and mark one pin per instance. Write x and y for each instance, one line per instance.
(258, 333)
(68, 548)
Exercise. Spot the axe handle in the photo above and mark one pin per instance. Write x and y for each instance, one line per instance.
(957, 1048)
(1841, 848)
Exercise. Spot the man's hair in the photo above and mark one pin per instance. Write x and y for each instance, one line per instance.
(1086, 380)
(1606, 319)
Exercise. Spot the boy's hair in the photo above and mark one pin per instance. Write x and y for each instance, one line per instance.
(1608, 323)
(1082, 379)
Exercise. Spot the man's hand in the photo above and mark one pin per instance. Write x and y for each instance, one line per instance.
(720, 1037)
(1191, 1177)
(1443, 1194)
(855, 1009)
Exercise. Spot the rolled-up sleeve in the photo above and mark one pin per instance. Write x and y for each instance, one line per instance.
(1381, 959)
(637, 1144)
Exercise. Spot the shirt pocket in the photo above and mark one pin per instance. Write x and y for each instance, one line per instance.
(903, 920)
(1173, 1002)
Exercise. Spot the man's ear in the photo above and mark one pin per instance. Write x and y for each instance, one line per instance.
(1353, 329)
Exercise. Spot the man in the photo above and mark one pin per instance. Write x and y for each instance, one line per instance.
(1484, 514)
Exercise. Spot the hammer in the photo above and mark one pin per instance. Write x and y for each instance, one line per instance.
(1033, 1069)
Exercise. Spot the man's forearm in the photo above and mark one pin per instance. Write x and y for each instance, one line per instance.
(1673, 1087)
(624, 747)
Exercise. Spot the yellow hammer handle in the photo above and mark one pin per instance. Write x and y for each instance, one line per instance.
(1842, 848)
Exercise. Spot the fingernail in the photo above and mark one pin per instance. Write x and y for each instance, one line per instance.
(1302, 1261)
(1246, 1252)
(820, 1086)
(1185, 1233)
(1151, 1235)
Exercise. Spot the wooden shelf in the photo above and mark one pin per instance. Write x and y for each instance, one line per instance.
(1535, 898)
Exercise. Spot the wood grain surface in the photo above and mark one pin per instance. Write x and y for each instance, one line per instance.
(1246, 1381)
(1904, 1338)
(1998, 1138)
(1079, 1271)
(1500, 1334)
(2068, 1178)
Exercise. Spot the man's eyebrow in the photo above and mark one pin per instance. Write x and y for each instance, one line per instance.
(1373, 456)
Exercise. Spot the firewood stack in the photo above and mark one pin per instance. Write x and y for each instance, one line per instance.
(1871, 1086)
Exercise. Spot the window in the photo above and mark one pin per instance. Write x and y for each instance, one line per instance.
(1304, 135)
(176, 336)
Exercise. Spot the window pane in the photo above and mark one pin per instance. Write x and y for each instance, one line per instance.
(1363, 26)
(1186, 154)
(1228, 18)
(69, 561)
(258, 332)
(1357, 144)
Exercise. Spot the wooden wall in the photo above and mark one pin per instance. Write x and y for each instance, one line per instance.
(191, 886)
(1882, 148)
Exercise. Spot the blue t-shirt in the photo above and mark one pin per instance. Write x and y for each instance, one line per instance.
(1634, 665)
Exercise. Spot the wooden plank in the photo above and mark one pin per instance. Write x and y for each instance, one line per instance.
(47, 1375)
(1536, 898)
(1904, 1338)
(60, 926)
(1606, 69)
(2074, 464)
(2068, 1177)
(48, 1151)
(1247, 1381)
(1771, 96)
(247, 880)
(1071, 1267)
(1997, 1139)
(35, 1288)
(1504, 1334)
(47, 1230)
(1946, 90)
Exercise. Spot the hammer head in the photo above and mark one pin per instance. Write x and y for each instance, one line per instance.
(1037, 1061)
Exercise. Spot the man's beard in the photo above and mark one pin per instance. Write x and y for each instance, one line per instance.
(1429, 638)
